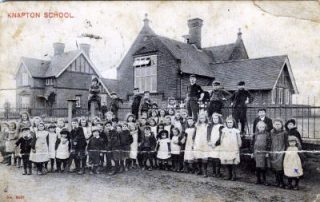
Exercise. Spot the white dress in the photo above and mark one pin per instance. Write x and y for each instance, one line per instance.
(188, 151)
(134, 145)
(292, 163)
(154, 131)
(177, 124)
(201, 148)
(52, 145)
(215, 135)
(168, 128)
(63, 149)
(230, 146)
(42, 150)
(174, 144)
(163, 151)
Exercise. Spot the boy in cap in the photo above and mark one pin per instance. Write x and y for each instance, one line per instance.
(239, 101)
(136, 99)
(24, 143)
(94, 91)
(115, 104)
(95, 146)
(217, 96)
(262, 117)
(194, 94)
(146, 103)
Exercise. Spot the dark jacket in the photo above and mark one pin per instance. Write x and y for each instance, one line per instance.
(294, 132)
(148, 142)
(136, 102)
(239, 98)
(25, 145)
(105, 140)
(125, 138)
(109, 134)
(96, 144)
(266, 120)
(115, 104)
(77, 139)
(115, 142)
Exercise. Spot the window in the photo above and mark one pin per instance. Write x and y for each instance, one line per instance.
(25, 101)
(280, 95)
(287, 96)
(25, 79)
(273, 96)
(145, 73)
(49, 81)
(78, 100)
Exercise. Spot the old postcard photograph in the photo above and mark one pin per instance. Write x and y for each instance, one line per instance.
(159, 101)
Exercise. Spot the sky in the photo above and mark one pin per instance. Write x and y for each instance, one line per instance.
(269, 28)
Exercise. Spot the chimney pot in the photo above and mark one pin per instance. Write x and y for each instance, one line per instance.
(195, 26)
(58, 48)
(85, 48)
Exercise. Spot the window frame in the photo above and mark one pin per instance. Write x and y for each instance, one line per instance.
(287, 96)
(24, 79)
(280, 96)
(273, 95)
(78, 101)
(145, 74)
(22, 104)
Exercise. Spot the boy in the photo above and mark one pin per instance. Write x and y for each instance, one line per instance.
(147, 147)
(78, 147)
(25, 145)
(115, 147)
(217, 96)
(136, 102)
(95, 145)
(109, 133)
(114, 104)
(103, 137)
(146, 103)
(262, 117)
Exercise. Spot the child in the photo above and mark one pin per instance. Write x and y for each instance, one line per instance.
(163, 149)
(292, 163)
(177, 121)
(176, 149)
(108, 131)
(230, 147)
(126, 140)
(24, 143)
(147, 147)
(60, 126)
(188, 153)
(260, 146)
(52, 145)
(40, 148)
(104, 138)
(201, 148)
(162, 115)
(153, 126)
(292, 130)
(134, 146)
(168, 126)
(95, 146)
(62, 147)
(115, 103)
(214, 143)
(130, 119)
(78, 148)
(142, 124)
(278, 145)
(10, 144)
(172, 103)
(155, 115)
(171, 113)
(262, 117)
(115, 146)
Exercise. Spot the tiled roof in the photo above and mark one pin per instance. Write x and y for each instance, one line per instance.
(221, 53)
(36, 67)
(259, 73)
(59, 62)
(110, 84)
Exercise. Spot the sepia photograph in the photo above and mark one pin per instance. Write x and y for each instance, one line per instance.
(159, 101)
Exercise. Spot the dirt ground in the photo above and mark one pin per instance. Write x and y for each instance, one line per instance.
(137, 185)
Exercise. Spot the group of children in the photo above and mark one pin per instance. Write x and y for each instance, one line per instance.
(165, 140)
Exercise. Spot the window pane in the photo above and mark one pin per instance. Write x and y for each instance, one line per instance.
(138, 70)
(142, 84)
(148, 83)
(154, 83)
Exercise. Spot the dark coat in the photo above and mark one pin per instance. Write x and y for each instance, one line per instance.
(77, 139)
(239, 98)
(95, 146)
(148, 142)
(25, 145)
(294, 132)
(104, 137)
(266, 120)
(136, 102)
(125, 139)
(115, 142)
(115, 104)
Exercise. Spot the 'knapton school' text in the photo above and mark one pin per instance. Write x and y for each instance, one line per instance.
(55, 14)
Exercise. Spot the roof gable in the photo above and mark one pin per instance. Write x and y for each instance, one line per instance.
(34, 67)
(221, 53)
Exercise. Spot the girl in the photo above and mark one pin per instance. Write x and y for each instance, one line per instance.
(260, 146)
(35, 122)
(230, 148)
(22, 123)
(62, 150)
(52, 145)
(292, 163)
(40, 150)
(10, 144)
(134, 146)
(60, 126)
(153, 126)
(214, 143)
(177, 121)
(168, 126)
(162, 115)
(155, 115)
(176, 149)
(163, 149)
(201, 148)
(130, 119)
(278, 145)
(171, 113)
(24, 143)
(95, 146)
(83, 122)
(188, 153)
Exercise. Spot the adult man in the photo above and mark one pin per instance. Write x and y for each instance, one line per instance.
(145, 104)
(194, 94)
(262, 117)
(136, 102)
(217, 96)
(239, 101)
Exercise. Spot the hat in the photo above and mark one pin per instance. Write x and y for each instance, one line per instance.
(292, 138)
(216, 83)
(113, 93)
(146, 92)
(74, 120)
(51, 126)
(136, 89)
(241, 83)
(192, 75)
(25, 128)
(190, 117)
(64, 131)
(94, 128)
(95, 79)
(291, 121)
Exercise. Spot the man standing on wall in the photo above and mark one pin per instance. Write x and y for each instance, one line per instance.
(194, 94)
(239, 101)
(217, 96)
(136, 102)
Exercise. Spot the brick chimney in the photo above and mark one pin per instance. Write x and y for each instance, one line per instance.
(195, 26)
(58, 48)
(85, 48)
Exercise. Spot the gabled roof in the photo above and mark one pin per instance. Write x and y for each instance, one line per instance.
(259, 73)
(221, 53)
(111, 85)
(35, 67)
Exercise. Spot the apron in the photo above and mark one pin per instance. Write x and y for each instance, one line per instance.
(41, 147)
